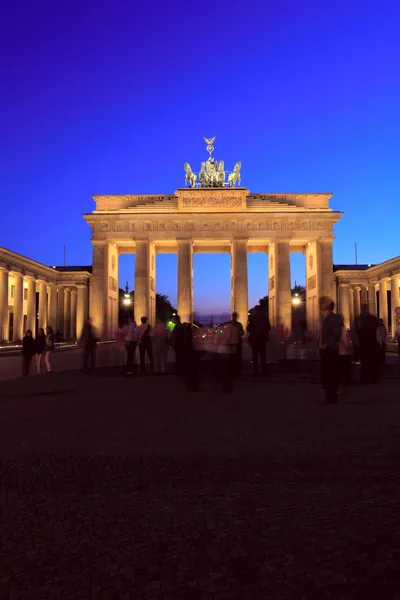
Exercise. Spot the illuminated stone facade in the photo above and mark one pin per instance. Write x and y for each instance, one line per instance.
(33, 295)
(230, 220)
(375, 285)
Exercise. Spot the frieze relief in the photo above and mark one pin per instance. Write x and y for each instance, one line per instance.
(213, 225)
(204, 201)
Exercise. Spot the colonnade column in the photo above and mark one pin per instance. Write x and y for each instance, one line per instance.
(279, 289)
(351, 305)
(60, 309)
(18, 333)
(31, 306)
(383, 303)
(372, 307)
(364, 295)
(239, 280)
(52, 313)
(67, 313)
(3, 305)
(344, 303)
(319, 278)
(81, 308)
(104, 293)
(357, 303)
(395, 302)
(185, 280)
(42, 304)
(73, 314)
(142, 280)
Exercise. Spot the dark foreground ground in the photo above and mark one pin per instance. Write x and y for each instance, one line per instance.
(113, 488)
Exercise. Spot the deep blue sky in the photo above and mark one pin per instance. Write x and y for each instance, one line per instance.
(113, 96)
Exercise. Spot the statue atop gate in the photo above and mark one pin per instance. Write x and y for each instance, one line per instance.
(211, 173)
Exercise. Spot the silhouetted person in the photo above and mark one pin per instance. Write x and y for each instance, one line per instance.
(258, 330)
(130, 339)
(57, 337)
(40, 343)
(89, 343)
(28, 350)
(330, 337)
(178, 343)
(143, 333)
(239, 327)
(366, 328)
(49, 347)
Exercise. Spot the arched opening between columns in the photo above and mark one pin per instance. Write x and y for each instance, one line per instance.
(211, 286)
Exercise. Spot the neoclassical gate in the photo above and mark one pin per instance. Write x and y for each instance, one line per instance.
(225, 219)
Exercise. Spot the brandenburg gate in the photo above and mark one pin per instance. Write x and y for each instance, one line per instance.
(211, 215)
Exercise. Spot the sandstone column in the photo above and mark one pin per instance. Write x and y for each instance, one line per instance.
(351, 305)
(185, 280)
(279, 290)
(42, 304)
(73, 314)
(3, 305)
(357, 303)
(60, 309)
(142, 296)
(364, 295)
(383, 303)
(395, 302)
(31, 306)
(372, 306)
(67, 313)
(81, 309)
(52, 315)
(18, 307)
(104, 292)
(344, 303)
(239, 280)
(319, 278)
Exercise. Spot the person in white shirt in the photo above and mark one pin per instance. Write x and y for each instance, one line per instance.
(130, 340)
(143, 333)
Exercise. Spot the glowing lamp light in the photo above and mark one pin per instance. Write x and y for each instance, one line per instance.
(296, 301)
(127, 301)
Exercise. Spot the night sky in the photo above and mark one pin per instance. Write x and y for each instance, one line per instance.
(113, 97)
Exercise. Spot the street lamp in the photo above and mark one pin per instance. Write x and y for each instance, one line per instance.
(296, 301)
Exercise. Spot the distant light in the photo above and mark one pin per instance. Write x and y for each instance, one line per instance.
(174, 314)
(127, 301)
(53, 267)
(127, 295)
(370, 265)
(115, 245)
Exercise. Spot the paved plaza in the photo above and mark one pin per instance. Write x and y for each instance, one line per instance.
(135, 489)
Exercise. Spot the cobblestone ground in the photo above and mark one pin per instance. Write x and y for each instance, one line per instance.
(113, 488)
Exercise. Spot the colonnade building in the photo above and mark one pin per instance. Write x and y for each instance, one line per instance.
(375, 285)
(33, 295)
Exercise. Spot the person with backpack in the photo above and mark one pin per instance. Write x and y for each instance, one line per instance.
(143, 335)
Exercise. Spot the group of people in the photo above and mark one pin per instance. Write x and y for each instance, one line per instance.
(151, 342)
(368, 335)
(41, 347)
